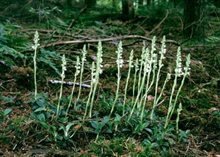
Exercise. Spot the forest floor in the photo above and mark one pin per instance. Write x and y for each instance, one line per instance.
(19, 133)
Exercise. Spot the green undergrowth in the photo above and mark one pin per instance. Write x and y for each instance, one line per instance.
(100, 135)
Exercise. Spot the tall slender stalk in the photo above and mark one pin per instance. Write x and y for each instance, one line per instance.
(149, 83)
(93, 81)
(84, 52)
(178, 73)
(61, 86)
(35, 47)
(185, 73)
(178, 117)
(142, 60)
(151, 67)
(162, 53)
(170, 101)
(97, 73)
(147, 62)
(139, 92)
(119, 63)
(128, 77)
(168, 77)
(77, 67)
(135, 79)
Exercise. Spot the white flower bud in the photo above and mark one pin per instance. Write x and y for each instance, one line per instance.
(36, 41)
(178, 69)
(77, 66)
(119, 60)
(63, 66)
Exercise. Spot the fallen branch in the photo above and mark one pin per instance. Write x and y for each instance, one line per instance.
(39, 30)
(68, 83)
(105, 40)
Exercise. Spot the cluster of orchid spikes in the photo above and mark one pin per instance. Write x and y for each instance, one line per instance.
(145, 79)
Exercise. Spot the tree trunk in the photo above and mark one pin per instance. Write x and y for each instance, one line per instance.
(217, 3)
(140, 2)
(174, 3)
(114, 3)
(127, 9)
(148, 2)
(193, 22)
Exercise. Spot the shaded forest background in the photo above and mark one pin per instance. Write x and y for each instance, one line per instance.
(193, 15)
